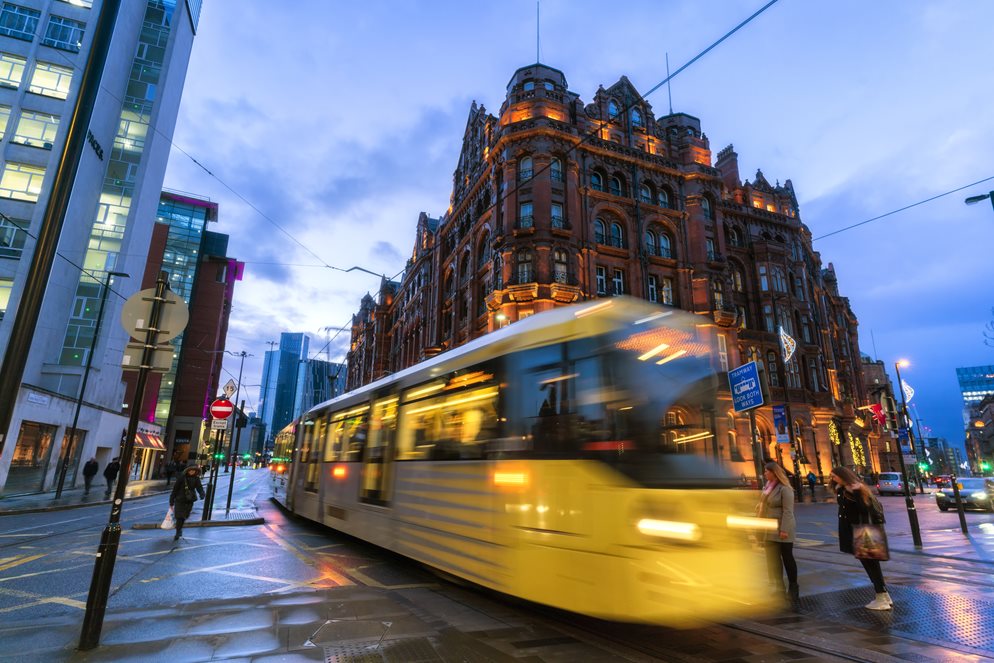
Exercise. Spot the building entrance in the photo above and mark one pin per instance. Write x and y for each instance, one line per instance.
(31, 456)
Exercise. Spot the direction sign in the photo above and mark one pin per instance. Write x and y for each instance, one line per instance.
(219, 424)
(222, 409)
(744, 384)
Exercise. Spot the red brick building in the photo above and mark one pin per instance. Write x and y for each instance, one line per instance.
(555, 201)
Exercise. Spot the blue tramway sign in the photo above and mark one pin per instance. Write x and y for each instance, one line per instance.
(744, 384)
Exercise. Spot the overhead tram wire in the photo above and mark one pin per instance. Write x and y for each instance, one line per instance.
(901, 209)
(517, 184)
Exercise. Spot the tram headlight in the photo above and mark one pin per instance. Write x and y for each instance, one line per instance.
(669, 529)
(750, 522)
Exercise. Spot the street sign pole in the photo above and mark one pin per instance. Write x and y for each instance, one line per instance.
(234, 455)
(103, 569)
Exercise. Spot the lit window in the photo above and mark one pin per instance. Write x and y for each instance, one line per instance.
(88, 4)
(737, 279)
(601, 281)
(12, 238)
(64, 33)
(6, 285)
(667, 291)
(557, 216)
(50, 80)
(757, 203)
(18, 22)
(4, 118)
(21, 181)
(36, 129)
(718, 295)
(11, 70)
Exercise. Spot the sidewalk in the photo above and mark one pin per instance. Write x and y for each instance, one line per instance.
(73, 498)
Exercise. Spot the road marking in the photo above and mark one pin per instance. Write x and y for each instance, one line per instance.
(11, 562)
(61, 522)
(38, 599)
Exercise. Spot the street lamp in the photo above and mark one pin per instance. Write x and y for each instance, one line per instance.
(908, 501)
(973, 200)
(72, 432)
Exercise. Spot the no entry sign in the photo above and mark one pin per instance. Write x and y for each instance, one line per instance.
(221, 409)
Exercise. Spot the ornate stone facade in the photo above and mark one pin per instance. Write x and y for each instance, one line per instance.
(555, 201)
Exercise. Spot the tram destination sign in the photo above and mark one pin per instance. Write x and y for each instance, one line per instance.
(744, 385)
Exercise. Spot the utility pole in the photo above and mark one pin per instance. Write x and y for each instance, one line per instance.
(36, 282)
(239, 413)
(909, 502)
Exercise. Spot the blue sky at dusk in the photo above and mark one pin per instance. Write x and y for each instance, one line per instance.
(340, 122)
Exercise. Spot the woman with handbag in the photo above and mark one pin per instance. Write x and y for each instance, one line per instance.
(778, 502)
(184, 494)
(859, 509)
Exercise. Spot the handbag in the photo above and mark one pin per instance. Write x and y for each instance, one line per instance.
(870, 542)
(168, 522)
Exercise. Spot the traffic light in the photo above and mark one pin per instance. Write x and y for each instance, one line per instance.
(984, 465)
(923, 466)
(219, 456)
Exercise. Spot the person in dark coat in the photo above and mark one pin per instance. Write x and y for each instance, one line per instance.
(857, 505)
(89, 471)
(812, 481)
(170, 471)
(184, 494)
(110, 473)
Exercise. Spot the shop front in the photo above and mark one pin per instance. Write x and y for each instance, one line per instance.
(32, 455)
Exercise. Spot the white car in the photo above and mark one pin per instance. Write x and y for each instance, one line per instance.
(890, 483)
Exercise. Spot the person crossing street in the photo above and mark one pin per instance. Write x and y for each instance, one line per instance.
(184, 494)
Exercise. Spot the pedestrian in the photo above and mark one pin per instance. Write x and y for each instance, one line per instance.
(857, 505)
(184, 494)
(89, 471)
(778, 502)
(812, 480)
(170, 471)
(110, 473)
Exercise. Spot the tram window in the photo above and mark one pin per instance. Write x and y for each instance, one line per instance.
(333, 442)
(347, 434)
(454, 426)
(376, 467)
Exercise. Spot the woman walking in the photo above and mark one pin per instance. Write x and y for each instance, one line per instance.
(184, 494)
(778, 502)
(857, 505)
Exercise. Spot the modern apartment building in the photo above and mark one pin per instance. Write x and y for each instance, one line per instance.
(44, 46)
(556, 200)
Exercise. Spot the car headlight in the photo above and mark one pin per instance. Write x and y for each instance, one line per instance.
(979, 496)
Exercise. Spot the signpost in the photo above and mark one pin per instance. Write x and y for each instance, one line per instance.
(220, 410)
(747, 394)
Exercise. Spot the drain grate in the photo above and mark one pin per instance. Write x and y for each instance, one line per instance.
(353, 652)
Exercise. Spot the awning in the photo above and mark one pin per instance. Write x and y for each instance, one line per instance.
(149, 441)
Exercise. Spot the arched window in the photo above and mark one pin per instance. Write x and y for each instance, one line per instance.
(706, 208)
(617, 235)
(665, 247)
(556, 170)
(617, 188)
(664, 198)
(525, 169)
(525, 266)
(734, 238)
(600, 232)
(560, 266)
(612, 109)
(771, 369)
(498, 272)
(596, 182)
(651, 243)
(737, 282)
(464, 268)
(483, 251)
(779, 279)
(636, 118)
(645, 194)
(450, 284)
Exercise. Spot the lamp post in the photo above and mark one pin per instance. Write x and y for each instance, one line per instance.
(782, 370)
(908, 500)
(237, 433)
(73, 432)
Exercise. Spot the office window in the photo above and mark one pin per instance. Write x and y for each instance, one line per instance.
(11, 70)
(651, 291)
(525, 217)
(36, 129)
(18, 22)
(557, 216)
(50, 80)
(12, 238)
(83, 3)
(64, 33)
(667, 291)
(4, 118)
(618, 282)
(601, 281)
(556, 168)
(21, 181)
(6, 285)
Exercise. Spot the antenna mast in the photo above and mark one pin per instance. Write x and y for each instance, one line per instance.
(669, 86)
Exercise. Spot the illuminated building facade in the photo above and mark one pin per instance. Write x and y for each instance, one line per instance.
(557, 201)
(44, 47)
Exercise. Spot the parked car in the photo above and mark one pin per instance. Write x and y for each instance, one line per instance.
(975, 493)
(889, 483)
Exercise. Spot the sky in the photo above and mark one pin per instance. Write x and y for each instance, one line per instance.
(329, 126)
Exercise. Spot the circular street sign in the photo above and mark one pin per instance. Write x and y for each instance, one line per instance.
(221, 409)
(138, 309)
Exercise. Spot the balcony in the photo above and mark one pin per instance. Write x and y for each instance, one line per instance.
(724, 315)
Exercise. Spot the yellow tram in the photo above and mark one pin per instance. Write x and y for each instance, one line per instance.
(559, 460)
